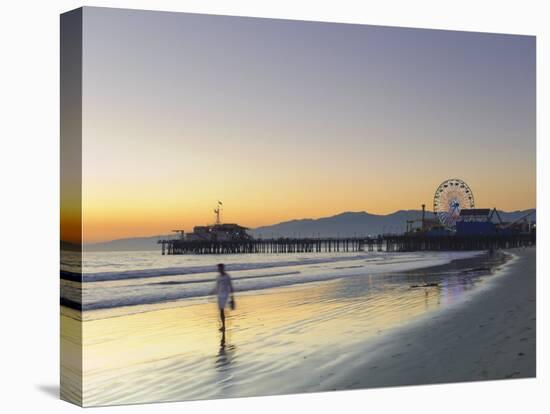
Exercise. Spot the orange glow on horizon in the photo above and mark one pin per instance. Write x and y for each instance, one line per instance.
(137, 217)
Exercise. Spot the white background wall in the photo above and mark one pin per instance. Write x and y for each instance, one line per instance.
(29, 194)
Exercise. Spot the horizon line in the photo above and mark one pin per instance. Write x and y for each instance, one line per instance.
(280, 222)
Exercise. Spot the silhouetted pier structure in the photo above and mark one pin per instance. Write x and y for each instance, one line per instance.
(389, 243)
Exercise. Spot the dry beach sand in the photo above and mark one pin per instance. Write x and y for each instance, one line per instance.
(491, 336)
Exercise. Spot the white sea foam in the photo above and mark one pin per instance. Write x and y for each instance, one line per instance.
(123, 279)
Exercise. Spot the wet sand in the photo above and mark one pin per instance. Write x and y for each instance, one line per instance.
(354, 332)
(491, 336)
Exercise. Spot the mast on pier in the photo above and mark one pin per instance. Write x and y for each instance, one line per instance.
(217, 211)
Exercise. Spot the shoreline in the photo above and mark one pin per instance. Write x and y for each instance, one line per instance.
(178, 289)
(491, 336)
(355, 332)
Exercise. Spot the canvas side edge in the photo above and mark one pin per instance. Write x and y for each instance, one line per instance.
(71, 360)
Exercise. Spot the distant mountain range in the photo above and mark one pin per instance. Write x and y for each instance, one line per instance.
(355, 224)
(346, 224)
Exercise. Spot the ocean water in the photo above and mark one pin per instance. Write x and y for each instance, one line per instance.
(122, 280)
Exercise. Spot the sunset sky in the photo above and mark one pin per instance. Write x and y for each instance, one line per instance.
(289, 119)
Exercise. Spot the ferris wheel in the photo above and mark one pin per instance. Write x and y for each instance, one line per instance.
(450, 197)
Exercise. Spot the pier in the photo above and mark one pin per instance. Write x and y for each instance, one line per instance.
(388, 243)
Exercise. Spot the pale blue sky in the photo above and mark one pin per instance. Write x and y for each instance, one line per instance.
(302, 116)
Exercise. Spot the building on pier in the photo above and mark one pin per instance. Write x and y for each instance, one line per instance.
(219, 232)
(476, 221)
(487, 222)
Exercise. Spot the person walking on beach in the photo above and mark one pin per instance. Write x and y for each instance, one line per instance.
(224, 291)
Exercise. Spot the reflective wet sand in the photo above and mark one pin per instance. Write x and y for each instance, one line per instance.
(282, 340)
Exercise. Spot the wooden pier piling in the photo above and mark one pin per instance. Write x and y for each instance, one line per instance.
(388, 243)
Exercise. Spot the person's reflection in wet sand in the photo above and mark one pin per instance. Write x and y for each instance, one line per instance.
(225, 354)
(224, 362)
